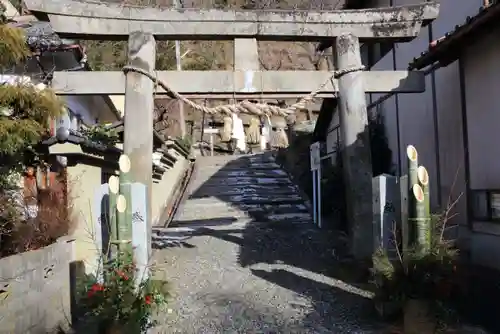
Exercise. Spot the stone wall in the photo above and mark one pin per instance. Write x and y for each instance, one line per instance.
(164, 192)
(35, 289)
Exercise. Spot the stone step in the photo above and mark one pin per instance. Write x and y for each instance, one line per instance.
(241, 157)
(209, 203)
(242, 222)
(255, 212)
(239, 190)
(208, 208)
(274, 208)
(246, 172)
(243, 181)
(237, 166)
(215, 190)
(260, 199)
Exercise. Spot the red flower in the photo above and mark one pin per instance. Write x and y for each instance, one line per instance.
(147, 300)
(95, 288)
(122, 275)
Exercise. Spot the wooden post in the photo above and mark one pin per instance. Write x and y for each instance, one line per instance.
(138, 127)
(356, 155)
(211, 131)
(211, 144)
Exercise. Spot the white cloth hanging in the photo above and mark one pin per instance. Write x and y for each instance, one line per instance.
(265, 138)
(238, 133)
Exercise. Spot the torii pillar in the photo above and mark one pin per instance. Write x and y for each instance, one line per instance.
(138, 119)
(355, 147)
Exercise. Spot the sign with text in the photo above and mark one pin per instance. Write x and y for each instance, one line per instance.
(211, 131)
(140, 230)
(315, 156)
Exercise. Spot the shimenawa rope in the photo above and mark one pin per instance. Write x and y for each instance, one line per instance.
(258, 109)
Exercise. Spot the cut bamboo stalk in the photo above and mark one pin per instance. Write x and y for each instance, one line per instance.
(412, 158)
(419, 221)
(426, 228)
(114, 188)
(412, 155)
(125, 215)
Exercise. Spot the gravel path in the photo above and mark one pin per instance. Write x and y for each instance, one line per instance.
(241, 270)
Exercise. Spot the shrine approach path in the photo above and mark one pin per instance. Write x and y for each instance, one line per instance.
(243, 256)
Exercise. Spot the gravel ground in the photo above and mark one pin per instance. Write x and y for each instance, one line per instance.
(244, 257)
(253, 263)
(252, 278)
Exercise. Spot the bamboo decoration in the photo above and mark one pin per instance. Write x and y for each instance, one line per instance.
(412, 158)
(425, 225)
(419, 217)
(412, 155)
(419, 220)
(114, 189)
(120, 209)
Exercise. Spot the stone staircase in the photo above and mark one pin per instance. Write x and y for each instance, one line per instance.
(236, 190)
(243, 188)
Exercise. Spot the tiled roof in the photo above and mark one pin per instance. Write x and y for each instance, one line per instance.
(447, 49)
(41, 37)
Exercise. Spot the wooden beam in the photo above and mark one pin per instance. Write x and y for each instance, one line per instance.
(217, 83)
(84, 20)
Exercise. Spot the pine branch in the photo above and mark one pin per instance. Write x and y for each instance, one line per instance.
(13, 48)
(17, 134)
(26, 101)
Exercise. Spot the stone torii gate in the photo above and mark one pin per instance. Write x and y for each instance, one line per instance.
(141, 27)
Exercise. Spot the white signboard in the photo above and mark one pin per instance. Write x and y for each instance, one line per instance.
(140, 242)
(210, 131)
(386, 212)
(315, 156)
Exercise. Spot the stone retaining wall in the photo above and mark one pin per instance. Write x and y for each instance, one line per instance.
(35, 289)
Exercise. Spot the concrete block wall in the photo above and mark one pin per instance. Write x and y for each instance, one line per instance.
(35, 289)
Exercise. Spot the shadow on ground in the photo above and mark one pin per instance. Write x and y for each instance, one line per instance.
(297, 257)
(163, 239)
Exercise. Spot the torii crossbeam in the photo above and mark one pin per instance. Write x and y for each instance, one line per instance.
(240, 84)
(143, 26)
(97, 20)
(112, 21)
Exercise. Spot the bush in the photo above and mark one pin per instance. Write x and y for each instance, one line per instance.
(20, 234)
(185, 142)
(417, 276)
(118, 304)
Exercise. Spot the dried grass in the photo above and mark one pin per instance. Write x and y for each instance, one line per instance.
(55, 219)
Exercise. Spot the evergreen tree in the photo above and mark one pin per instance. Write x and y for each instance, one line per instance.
(25, 110)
